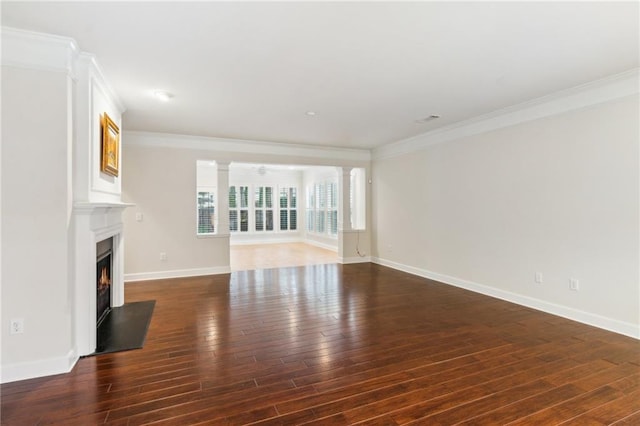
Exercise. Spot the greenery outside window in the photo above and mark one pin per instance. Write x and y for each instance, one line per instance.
(206, 212)
(288, 209)
(239, 208)
(263, 200)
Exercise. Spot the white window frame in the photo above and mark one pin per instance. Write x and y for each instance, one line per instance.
(290, 207)
(206, 199)
(254, 207)
(239, 208)
(203, 194)
(322, 208)
(263, 206)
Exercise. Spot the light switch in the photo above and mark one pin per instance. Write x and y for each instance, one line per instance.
(138, 217)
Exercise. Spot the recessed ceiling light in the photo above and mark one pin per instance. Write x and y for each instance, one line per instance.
(311, 113)
(429, 118)
(163, 96)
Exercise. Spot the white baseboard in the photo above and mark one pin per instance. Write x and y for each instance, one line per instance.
(321, 245)
(357, 259)
(260, 241)
(179, 273)
(610, 324)
(40, 368)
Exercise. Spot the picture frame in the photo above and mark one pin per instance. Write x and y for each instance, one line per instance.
(110, 146)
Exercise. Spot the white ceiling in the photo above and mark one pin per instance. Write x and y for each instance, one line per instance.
(369, 69)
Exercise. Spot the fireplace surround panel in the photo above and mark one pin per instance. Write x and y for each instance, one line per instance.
(95, 224)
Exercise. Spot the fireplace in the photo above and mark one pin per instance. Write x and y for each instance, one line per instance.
(103, 287)
(98, 230)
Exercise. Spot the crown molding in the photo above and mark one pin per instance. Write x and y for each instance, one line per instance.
(592, 93)
(48, 52)
(28, 49)
(136, 138)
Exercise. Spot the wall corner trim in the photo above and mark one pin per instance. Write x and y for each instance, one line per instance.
(609, 324)
(40, 368)
(99, 78)
(592, 93)
(357, 259)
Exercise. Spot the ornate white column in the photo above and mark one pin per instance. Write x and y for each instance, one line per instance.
(222, 227)
(344, 204)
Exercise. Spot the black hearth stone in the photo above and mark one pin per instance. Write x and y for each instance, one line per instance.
(125, 327)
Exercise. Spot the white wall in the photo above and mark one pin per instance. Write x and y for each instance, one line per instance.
(162, 184)
(206, 175)
(558, 195)
(36, 217)
(52, 99)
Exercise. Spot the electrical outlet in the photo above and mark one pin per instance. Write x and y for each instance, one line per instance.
(17, 326)
(538, 277)
(163, 256)
(574, 284)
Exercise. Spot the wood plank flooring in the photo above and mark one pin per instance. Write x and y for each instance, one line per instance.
(268, 256)
(336, 345)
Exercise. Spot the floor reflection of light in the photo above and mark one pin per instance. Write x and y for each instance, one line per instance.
(324, 351)
(293, 320)
(212, 338)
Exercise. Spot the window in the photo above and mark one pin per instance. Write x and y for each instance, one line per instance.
(206, 212)
(255, 209)
(263, 198)
(239, 208)
(206, 193)
(288, 209)
(322, 208)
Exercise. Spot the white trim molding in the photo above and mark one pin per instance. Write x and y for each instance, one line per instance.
(592, 93)
(40, 368)
(39, 51)
(616, 326)
(321, 245)
(256, 240)
(166, 140)
(99, 80)
(95, 222)
(178, 273)
(49, 52)
(356, 259)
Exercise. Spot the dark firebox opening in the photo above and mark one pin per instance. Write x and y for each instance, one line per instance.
(103, 286)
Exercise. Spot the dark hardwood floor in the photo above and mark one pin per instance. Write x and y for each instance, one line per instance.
(336, 345)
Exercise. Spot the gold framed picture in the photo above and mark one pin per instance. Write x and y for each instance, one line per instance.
(110, 146)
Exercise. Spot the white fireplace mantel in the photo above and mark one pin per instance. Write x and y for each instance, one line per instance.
(94, 222)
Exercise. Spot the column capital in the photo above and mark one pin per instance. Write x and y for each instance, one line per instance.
(223, 166)
(344, 170)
